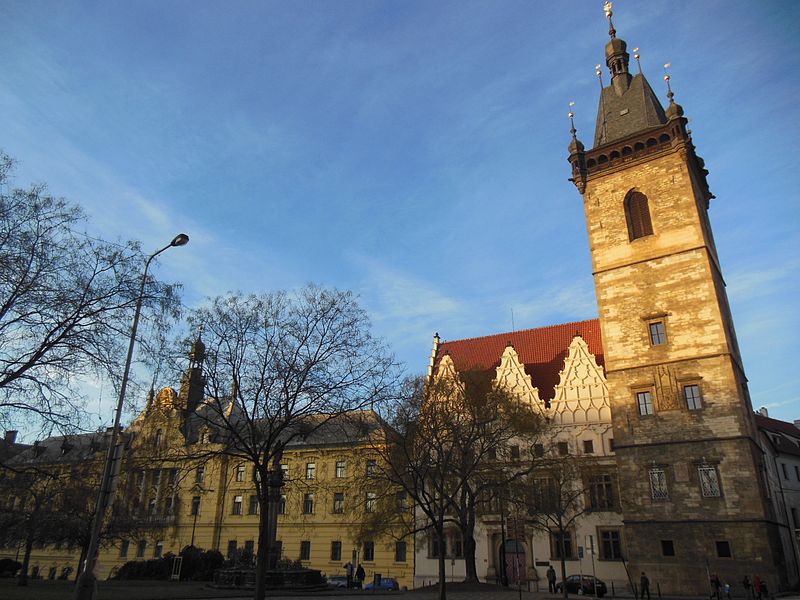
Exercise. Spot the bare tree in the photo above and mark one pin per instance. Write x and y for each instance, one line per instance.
(65, 302)
(279, 367)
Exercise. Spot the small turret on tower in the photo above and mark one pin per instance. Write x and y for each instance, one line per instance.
(193, 382)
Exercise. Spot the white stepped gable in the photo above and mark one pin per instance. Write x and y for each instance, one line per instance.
(581, 395)
(511, 376)
(447, 369)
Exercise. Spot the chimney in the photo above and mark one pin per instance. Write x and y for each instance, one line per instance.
(11, 437)
(763, 411)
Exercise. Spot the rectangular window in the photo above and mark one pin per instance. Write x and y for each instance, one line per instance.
(601, 492)
(795, 520)
(285, 472)
(282, 505)
(308, 504)
(797, 472)
(611, 444)
(436, 547)
(141, 549)
(200, 474)
(694, 401)
(253, 507)
(232, 549)
(658, 334)
(561, 546)
(491, 454)
(336, 550)
(785, 472)
(401, 501)
(369, 504)
(338, 503)
(399, 552)
(610, 544)
(658, 484)
(240, 473)
(369, 551)
(709, 481)
(341, 469)
(311, 470)
(514, 452)
(588, 447)
(123, 549)
(256, 476)
(538, 450)
(237, 505)
(305, 550)
(158, 550)
(372, 468)
(458, 547)
(645, 402)
(723, 549)
(196, 505)
(249, 550)
(667, 548)
(563, 448)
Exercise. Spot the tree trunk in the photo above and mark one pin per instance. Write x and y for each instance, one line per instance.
(468, 532)
(442, 569)
(267, 555)
(563, 563)
(26, 559)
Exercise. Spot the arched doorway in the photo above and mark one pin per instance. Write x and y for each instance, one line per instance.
(515, 561)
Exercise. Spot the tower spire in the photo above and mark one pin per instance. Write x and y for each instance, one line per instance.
(607, 8)
(674, 109)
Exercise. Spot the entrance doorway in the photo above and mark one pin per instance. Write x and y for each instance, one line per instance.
(515, 561)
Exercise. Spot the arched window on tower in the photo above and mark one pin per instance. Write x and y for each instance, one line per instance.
(637, 214)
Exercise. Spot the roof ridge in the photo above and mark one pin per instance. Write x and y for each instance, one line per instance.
(542, 328)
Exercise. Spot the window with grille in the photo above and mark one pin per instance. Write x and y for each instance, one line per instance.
(694, 400)
(336, 550)
(645, 402)
(601, 492)
(338, 503)
(637, 214)
(658, 333)
(369, 551)
(341, 469)
(709, 481)
(305, 550)
(308, 504)
(610, 544)
(658, 484)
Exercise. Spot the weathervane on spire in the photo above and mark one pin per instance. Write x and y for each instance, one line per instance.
(666, 78)
(636, 56)
(607, 8)
(571, 114)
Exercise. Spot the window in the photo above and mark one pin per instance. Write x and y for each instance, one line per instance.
(338, 503)
(610, 544)
(282, 505)
(637, 214)
(311, 470)
(399, 552)
(123, 549)
(723, 549)
(795, 520)
(667, 548)
(561, 545)
(253, 508)
(158, 550)
(341, 469)
(588, 447)
(514, 452)
(308, 504)
(709, 481)
(369, 504)
(563, 448)
(694, 401)
(611, 444)
(658, 333)
(285, 472)
(658, 484)
(168, 505)
(336, 550)
(645, 402)
(237, 505)
(458, 547)
(491, 454)
(141, 548)
(305, 550)
(173, 477)
(785, 472)
(249, 550)
(797, 472)
(196, 505)
(436, 547)
(151, 506)
(204, 437)
(159, 437)
(372, 467)
(369, 551)
(601, 492)
(538, 450)
(256, 476)
(232, 549)
(240, 473)
(401, 501)
(200, 474)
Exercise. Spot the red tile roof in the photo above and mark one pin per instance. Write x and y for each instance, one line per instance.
(777, 426)
(541, 350)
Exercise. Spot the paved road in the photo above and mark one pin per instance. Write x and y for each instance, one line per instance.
(483, 594)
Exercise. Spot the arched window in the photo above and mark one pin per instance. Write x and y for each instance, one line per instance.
(637, 214)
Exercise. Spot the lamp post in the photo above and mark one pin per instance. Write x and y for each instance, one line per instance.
(85, 588)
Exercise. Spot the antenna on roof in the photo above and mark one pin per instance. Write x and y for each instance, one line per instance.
(513, 327)
(636, 56)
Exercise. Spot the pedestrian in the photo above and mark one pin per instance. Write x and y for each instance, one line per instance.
(727, 588)
(715, 585)
(551, 580)
(746, 586)
(644, 586)
(360, 575)
(757, 586)
(764, 590)
(349, 570)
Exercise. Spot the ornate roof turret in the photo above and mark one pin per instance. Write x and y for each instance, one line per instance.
(197, 353)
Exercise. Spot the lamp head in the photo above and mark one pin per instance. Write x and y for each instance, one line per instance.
(180, 240)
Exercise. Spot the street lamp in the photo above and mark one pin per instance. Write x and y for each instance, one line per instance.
(86, 582)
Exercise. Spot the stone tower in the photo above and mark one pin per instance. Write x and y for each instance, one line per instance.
(193, 381)
(694, 496)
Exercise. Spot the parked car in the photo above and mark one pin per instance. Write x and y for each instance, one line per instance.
(387, 583)
(584, 587)
(337, 581)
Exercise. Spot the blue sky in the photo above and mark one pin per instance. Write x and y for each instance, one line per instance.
(414, 152)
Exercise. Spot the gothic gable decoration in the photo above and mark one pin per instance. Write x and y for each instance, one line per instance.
(581, 395)
(511, 376)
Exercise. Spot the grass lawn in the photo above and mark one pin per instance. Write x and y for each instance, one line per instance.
(41, 589)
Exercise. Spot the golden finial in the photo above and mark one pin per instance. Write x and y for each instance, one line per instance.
(636, 56)
(607, 8)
